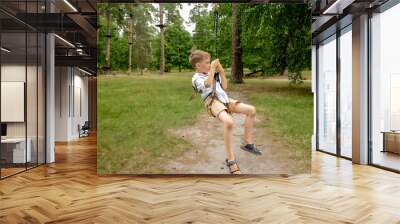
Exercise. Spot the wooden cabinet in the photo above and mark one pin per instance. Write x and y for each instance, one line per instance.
(391, 142)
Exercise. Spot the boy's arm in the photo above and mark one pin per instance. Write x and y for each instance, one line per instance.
(224, 82)
(210, 79)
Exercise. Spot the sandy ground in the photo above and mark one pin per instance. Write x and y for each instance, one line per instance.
(207, 156)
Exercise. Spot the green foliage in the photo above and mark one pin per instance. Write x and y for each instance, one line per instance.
(142, 29)
(143, 32)
(276, 38)
(203, 36)
(224, 37)
(283, 38)
(172, 13)
(178, 43)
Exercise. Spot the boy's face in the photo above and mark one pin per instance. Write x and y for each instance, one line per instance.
(204, 65)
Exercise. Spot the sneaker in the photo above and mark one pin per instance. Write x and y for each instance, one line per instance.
(250, 148)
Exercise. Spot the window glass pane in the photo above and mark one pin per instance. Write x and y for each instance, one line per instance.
(15, 150)
(346, 92)
(327, 95)
(386, 88)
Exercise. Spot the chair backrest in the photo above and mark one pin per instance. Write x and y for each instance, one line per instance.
(86, 125)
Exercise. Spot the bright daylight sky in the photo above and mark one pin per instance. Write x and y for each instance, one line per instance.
(186, 7)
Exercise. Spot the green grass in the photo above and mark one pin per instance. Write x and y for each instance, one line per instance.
(135, 113)
(288, 110)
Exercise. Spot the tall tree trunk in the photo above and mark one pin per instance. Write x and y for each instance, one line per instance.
(141, 60)
(108, 40)
(179, 60)
(162, 59)
(130, 42)
(237, 63)
(288, 46)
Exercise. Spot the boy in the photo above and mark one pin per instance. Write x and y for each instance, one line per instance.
(220, 106)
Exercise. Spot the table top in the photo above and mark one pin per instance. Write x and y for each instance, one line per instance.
(391, 132)
(13, 140)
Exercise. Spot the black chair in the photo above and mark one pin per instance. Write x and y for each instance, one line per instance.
(84, 130)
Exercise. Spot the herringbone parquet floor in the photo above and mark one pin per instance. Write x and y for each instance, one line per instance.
(69, 191)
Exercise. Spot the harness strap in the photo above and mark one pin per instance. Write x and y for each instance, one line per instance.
(215, 84)
(214, 90)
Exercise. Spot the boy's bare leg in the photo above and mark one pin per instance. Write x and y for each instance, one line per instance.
(250, 112)
(228, 133)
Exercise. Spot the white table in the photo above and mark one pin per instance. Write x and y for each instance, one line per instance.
(19, 155)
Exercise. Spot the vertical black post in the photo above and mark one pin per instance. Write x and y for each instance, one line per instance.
(338, 73)
(73, 91)
(26, 85)
(69, 93)
(1, 163)
(37, 88)
(45, 94)
(317, 97)
(369, 81)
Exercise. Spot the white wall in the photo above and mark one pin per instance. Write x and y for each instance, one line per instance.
(62, 81)
(80, 84)
(70, 84)
(12, 73)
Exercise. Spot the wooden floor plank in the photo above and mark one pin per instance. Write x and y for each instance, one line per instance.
(70, 191)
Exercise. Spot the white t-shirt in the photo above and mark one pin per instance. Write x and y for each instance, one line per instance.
(198, 81)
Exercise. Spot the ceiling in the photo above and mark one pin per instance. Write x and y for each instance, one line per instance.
(338, 14)
(201, 1)
(74, 21)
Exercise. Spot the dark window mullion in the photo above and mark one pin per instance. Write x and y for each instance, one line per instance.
(338, 98)
(26, 87)
(317, 96)
(37, 90)
(0, 94)
(369, 89)
(45, 88)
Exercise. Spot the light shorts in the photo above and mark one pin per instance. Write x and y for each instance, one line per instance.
(217, 106)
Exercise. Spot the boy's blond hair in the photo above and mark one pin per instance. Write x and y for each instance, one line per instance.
(197, 56)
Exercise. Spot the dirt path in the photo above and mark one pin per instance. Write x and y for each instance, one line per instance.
(208, 154)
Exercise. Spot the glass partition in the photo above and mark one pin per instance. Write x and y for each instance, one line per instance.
(22, 88)
(14, 145)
